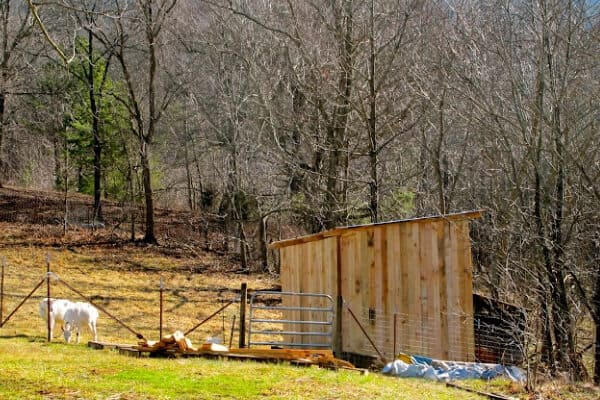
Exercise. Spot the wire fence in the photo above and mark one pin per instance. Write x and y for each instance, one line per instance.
(451, 336)
(394, 333)
(129, 307)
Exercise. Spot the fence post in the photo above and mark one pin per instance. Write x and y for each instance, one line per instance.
(2, 264)
(243, 301)
(160, 323)
(48, 304)
(232, 328)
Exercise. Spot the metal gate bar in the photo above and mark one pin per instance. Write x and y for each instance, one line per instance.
(323, 327)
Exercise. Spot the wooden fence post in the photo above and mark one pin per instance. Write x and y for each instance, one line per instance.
(48, 304)
(160, 323)
(243, 301)
(2, 264)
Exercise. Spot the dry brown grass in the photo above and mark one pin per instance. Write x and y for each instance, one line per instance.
(124, 279)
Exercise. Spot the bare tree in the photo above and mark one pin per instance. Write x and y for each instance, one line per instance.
(15, 31)
(529, 99)
(140, 27)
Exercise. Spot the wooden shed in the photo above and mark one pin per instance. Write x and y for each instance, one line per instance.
(399, 286)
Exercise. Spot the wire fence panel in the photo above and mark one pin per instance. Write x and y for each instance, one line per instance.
(495, 341)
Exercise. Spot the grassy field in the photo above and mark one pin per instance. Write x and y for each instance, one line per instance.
(33, 369)
(124, 279)
(126, 282)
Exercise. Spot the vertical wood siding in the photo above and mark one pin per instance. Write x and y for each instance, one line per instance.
(416, 274)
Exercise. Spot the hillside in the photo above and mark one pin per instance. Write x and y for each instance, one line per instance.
(36, 218)
(122, 275)
(124, 278)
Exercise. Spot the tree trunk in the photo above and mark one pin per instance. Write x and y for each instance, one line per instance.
(2, 102)
(96, 143)
(264, 251)
(372, 125)
(596, 305)
(189, 181)
(441, 160)
(148, 196)
(337, 131)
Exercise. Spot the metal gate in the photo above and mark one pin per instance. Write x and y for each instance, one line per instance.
(318, 325)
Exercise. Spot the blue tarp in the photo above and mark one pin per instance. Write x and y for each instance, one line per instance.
(424, 367)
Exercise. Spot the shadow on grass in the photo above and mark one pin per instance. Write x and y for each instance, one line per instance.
(19, 336)
(33, 339)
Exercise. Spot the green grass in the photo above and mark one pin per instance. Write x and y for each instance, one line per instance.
(125, 281)
(33, 369)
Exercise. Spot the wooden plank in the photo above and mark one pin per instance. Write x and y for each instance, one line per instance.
(322, 287)
(374, 286)
(356, 269)
(107, 346)
(341, 230)
(403, 307)
(358, 299)
(287, 281)
(347, 281)
(466, 215)
(296, 286)
(429, 326)
(283, 354)
(308, 238)
(452, 293)
(395, 281)
(331, 277)
(338, 341)
(386, 296)
(379, 287)
(410, 246)
(433, 300)
(367, 268)
(311, 279)
(440, 232)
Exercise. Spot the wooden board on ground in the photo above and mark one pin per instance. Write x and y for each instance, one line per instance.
(108, 346)
(319, 357)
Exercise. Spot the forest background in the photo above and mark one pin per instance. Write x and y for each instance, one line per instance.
(277, 118)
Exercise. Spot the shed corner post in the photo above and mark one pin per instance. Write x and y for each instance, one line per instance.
(339, 302)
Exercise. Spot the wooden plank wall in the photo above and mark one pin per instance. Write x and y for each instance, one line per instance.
(419, 271)
(308, 268)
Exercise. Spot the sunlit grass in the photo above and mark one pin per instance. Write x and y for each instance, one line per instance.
(33, 369)
(125, 281)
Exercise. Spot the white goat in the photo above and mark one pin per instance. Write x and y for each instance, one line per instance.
(57, 312)
(76, 316)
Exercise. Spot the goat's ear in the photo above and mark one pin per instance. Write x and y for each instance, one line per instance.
(62, 329)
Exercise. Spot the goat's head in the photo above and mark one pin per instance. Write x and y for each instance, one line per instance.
(67, 332)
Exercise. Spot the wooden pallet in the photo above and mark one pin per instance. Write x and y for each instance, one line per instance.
(304, 357)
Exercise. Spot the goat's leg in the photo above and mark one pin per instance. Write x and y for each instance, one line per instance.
(92, 326)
